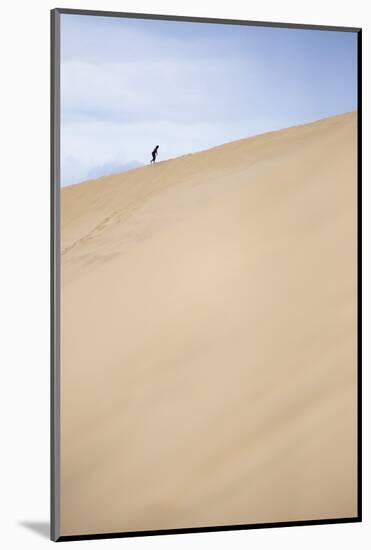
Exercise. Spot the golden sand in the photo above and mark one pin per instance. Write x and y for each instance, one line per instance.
(208, 337)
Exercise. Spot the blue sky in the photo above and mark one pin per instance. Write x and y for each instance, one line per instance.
(129, 84)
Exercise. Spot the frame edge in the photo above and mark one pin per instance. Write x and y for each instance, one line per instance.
(54, 279)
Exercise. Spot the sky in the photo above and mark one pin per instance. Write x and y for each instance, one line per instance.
(130, 84)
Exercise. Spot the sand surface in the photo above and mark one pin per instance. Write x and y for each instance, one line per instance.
(208, 337)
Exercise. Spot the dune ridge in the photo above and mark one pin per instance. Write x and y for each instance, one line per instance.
(208, 337)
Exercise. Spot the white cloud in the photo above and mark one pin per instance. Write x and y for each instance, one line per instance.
(136, 91)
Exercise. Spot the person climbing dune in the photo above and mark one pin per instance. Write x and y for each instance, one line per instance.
(154, 154)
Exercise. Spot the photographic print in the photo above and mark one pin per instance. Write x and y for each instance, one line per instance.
(205, 192)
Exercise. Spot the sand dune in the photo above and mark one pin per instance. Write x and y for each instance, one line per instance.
(208, 337)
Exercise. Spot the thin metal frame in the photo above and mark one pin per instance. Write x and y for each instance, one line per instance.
(55, 531)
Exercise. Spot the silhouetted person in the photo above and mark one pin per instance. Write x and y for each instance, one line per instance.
(155, 153)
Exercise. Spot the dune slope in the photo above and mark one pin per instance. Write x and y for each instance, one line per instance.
(208, 337)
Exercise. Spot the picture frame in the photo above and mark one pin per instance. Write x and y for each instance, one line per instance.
(57, 533)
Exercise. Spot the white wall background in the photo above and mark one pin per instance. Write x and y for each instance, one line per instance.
(24, 256)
